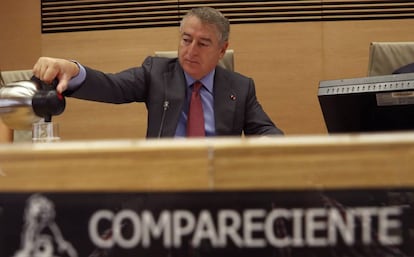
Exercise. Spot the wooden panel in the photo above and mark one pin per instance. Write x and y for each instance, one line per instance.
(91, 120)
(104, 166)
(20, 43)
(280, 163)
(346, 44)
(110, 50)
(284, 59)
(344, 161)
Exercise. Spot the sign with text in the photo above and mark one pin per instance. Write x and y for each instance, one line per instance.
(256, 223)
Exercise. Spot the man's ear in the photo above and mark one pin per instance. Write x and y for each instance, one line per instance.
(223, 49)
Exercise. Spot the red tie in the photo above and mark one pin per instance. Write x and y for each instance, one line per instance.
(195, 121)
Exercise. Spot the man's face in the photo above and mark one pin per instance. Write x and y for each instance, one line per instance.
(200, 49)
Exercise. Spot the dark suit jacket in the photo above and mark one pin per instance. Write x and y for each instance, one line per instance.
(236, 108)
(405, 69)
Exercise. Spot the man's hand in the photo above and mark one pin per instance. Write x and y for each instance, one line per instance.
(47, 69)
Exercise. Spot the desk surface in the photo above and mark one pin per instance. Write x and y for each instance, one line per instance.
(290, 162)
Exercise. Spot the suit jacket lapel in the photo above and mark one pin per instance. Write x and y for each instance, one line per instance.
(224, 103)
(175, 93)
(175, 86)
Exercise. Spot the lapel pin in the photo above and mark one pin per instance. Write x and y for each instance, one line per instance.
(233, 97)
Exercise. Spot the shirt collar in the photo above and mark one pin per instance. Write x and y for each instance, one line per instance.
(207, 80)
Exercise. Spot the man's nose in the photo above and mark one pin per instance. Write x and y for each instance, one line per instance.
(193, 48)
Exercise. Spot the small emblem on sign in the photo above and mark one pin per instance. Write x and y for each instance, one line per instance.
(41, 235)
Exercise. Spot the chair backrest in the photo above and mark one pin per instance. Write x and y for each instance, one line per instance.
(226, 62)
(386, 57)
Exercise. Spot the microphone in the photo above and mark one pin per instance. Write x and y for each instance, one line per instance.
(165, 108)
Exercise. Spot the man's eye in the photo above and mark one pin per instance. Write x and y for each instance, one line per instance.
(187, 40)
(203, 44)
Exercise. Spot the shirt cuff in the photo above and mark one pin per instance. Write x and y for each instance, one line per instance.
(76, 81)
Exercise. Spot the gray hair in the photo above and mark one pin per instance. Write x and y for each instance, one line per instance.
(211, 16)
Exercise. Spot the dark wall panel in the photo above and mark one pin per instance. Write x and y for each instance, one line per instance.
(86, 15)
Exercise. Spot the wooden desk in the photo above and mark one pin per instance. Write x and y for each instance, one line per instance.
(342, 161)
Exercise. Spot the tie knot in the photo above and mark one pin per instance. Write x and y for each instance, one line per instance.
(197, 86)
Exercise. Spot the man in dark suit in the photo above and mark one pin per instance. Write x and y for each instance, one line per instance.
(229, 103)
